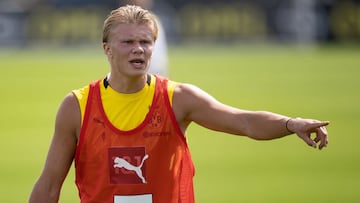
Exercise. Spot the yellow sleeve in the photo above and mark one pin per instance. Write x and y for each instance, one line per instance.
(171, 87)
(82, 95)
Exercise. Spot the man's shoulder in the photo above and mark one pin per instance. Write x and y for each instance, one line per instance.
(81, 93)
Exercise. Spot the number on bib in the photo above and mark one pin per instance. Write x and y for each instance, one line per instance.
(147, 198)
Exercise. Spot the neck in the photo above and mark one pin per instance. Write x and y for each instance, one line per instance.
(126, 85)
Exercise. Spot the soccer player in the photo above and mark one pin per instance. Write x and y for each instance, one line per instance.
(126, 132)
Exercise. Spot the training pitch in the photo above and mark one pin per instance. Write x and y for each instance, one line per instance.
(316, 82)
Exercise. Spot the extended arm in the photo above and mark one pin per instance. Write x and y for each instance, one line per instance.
(193, 104)
(60, 155)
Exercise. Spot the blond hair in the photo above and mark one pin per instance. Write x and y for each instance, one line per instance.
(129, 14)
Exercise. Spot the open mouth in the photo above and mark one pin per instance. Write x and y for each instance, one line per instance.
(137, 62)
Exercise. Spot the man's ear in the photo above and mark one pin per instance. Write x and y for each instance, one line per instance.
(107, 49)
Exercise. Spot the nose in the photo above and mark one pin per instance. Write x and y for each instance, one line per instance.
(138, 49)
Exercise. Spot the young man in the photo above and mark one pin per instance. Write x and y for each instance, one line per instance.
(126, 133)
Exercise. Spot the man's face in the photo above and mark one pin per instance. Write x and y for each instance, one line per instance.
(129, 49)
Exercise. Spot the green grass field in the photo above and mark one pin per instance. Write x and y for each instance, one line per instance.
(313, 82)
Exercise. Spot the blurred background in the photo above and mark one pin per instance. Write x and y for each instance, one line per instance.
(68, 22)
(300, 58)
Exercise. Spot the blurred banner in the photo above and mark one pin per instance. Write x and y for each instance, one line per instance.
(24, 22)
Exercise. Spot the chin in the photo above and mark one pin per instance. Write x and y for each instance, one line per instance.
(138, 73)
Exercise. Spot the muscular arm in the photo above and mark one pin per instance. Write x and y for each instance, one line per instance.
(61, 153)
(192, 104)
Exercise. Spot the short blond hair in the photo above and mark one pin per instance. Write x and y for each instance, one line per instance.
(129, 14)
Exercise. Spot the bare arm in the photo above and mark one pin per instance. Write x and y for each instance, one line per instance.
(193, 104)
(61, 153)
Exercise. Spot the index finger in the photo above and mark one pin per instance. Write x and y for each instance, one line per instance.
(319, 124)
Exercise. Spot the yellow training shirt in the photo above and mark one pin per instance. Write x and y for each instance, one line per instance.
(119, 107)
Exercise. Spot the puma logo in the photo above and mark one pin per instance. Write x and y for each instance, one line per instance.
(99, 121)
(122, 163)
